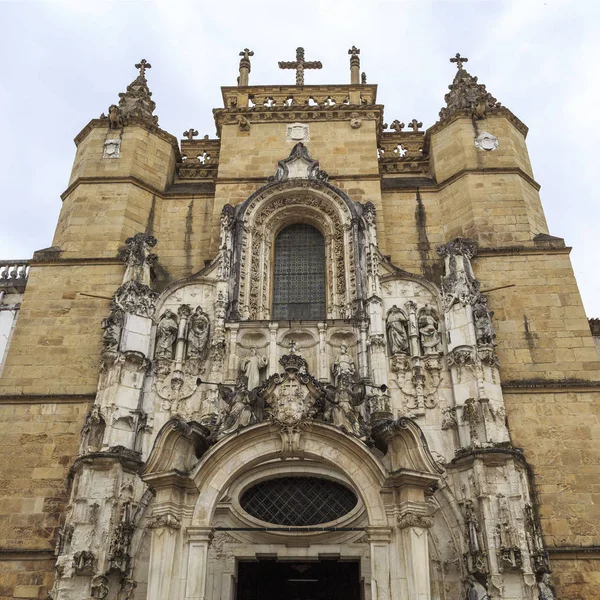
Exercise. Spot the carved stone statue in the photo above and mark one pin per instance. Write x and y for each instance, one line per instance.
(112, 326)
(343, 365)
(345, 398)
(397, 332)
(429, 325)
(484, 328)
(476, 591)
(545, 590)
(166, 334)
(240, 403)
(198, 332)
(251, 367)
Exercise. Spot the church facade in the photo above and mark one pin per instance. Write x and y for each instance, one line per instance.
(314, 357)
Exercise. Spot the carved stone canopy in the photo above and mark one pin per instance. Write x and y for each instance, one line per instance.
(298, 165)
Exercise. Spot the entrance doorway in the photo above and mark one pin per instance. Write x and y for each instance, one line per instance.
(296, 580)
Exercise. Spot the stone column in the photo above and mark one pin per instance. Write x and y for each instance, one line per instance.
(273, 364)
(413, 537)
(161, 568)
(379, 538)
(322, 362)
(198, 543)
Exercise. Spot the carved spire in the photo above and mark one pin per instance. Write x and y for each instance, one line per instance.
(136, 102)
(467, 94)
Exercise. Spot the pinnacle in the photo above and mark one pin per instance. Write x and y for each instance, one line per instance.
(466, 93)
(136, 102)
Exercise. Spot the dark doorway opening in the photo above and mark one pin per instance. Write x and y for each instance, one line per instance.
(297, 580)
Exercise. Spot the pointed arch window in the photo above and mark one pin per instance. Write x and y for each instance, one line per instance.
(299, 274)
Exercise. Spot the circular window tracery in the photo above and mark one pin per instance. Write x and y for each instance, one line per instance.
(298, 501)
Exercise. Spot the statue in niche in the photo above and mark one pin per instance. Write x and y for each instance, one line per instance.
(545, 590)
(166, 334)
(198, 332)
(429, 325)
(397, 331)
(240, 407)
(112, 326)
(251, 367)
(476, 591)
(343, 365)
(345, 398)
(484, 328)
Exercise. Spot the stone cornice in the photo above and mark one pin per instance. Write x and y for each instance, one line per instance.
(574, 552)
(131, 122)
(10, 554)
(467, 114)
(46, 398)
(57, 261)
(519, 250)
(283, 114)
(493, 170)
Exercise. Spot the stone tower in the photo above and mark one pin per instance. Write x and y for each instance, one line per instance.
(314, 356)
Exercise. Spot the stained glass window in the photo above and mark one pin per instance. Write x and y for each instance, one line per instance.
(299, 274)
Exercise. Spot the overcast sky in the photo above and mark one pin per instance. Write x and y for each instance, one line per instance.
(63, 63)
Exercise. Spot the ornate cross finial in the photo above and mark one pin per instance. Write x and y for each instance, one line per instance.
(246, 54)
(142, 66)
(354, 51)
(414, 125)
(397, 126)
(300, 64)
(190, 133)
(459, 60)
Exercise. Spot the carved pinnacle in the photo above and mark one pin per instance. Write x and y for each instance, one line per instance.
(190, 133)
(459, 60)
(142, 66)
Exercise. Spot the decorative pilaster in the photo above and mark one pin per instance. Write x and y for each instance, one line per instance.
(161, 575)
(199, 539)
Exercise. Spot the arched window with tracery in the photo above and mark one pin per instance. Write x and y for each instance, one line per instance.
(299, 290)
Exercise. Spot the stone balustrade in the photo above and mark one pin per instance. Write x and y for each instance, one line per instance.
(13, 275)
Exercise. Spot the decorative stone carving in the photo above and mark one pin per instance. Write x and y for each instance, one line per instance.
(135, 298)
(112, 148)
(112, 326)
(114, 117)
(197, 334)
(99, 588)
(449, 420)
(119, 555)
(459, 284)
(300, 65)
(429, 325)
(300, 165)
(545, 588)
(475, 590)
(167, 520)
(139, 259)
(471, 415)
(83, 562)
(241, 407)
(355, 121)
(535, 542)
(397, 332)
(467, 94)
(251, 367)
(343, 365)
(476, 556)
(243, 123)
(166, 334)
(136, 102)
(297, 132)
(509, 553)
(411, 519)
(486, 141)
(344, 400)
(484, 328)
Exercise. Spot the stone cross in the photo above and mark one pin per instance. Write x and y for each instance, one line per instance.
(397, 126)
(459, 60)
(244, 67)
(300, 64)
(142, 66)
(414, 125)
(354, 51)
(246, 54)
(354, 65)
(190, 133)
